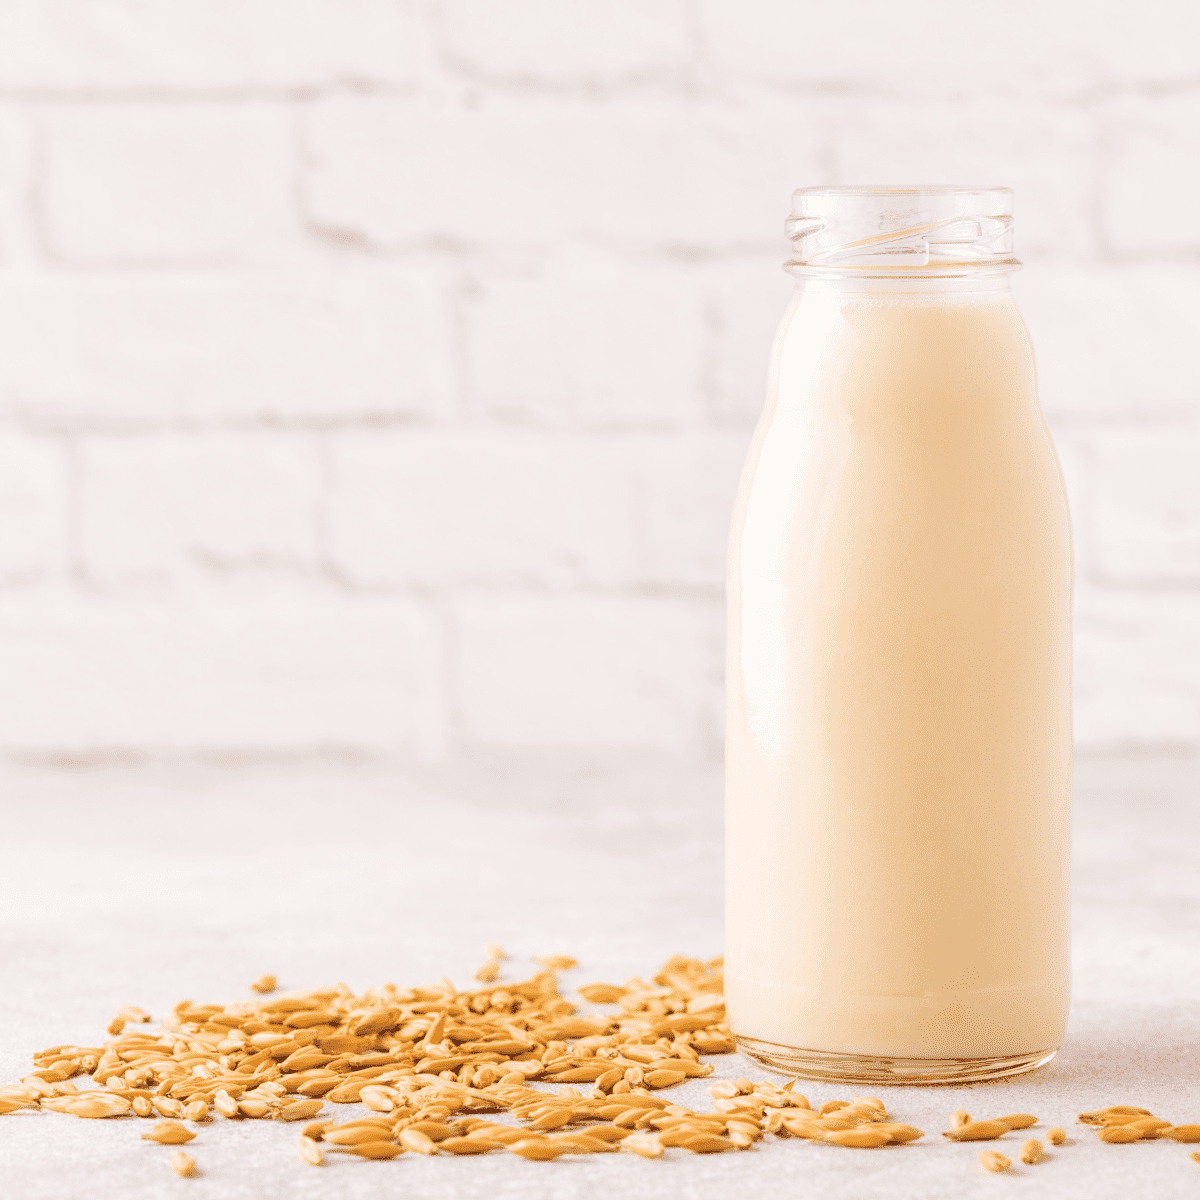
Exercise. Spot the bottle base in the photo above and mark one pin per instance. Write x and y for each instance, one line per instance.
(831, 1067)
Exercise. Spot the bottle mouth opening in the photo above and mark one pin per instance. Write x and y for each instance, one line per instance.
(920, 230)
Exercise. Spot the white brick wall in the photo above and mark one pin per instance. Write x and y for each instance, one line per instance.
(224, 670)
(125, 46)
(548, 42)
(656, 176)
(1151, 170)
(155, 506)
(594, 347)
(375, 375)
(944, 48)
(1029, 145)
(34, 489)
(1114, 343)
(617, 676)
(323, 341)
(487, 508)
(1146, 520)
(168, 184)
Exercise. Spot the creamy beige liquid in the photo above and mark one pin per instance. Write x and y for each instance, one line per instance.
(899, 714)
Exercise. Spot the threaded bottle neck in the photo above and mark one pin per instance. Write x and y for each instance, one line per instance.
(901, 231)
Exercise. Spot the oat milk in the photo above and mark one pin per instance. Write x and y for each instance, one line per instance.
(899, 685)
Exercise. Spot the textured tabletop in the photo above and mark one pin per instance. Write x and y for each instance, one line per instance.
(148, 886)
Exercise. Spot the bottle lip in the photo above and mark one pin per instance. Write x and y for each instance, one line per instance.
(902, 229)
(887, 189)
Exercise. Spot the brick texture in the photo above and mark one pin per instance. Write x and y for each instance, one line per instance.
(587, 348)
(16, 152)
(1113, 343)
(34, 476)
(594, 675)
(375, 376)
(658, 176)
(317, 342)
(1047, 153)
(1147, 504)
(1136, 674)
(1152, 172)
(944, 49)
(547, 42)
(274, 672)
(122, 46)
(482, 508)
(158, 505)
(687, 486)
(171, 184)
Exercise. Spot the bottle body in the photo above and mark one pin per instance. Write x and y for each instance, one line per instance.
(898, 762)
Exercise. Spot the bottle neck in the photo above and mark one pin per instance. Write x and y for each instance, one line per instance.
(983, 283)
(901, 233)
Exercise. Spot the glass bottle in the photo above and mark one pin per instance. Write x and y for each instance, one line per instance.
(898, 754)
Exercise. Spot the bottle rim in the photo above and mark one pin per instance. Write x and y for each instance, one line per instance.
(896, 230)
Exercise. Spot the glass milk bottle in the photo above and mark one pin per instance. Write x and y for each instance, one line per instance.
(898, 760)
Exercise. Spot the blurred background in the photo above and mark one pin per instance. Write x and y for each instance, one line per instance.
(375, 376)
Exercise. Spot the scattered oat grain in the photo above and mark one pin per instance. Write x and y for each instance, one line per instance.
(557, 962)
(602, 993)
(1118, 1134)
(706, 1143)
(861, 1139)
(182, 1164)
(538, 1149)
(1183, 1133)
(469, 1145)
(1018, 1120)
(379, 1149)
(899, 1134)
(418, 1142)
(647, 1145)
(977, 1131)
(169, 1133)
(665, 1078)
(95, 1108)
(310, 1151)
(1095, 1117)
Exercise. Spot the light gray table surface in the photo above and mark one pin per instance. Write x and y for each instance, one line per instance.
(147, 885)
